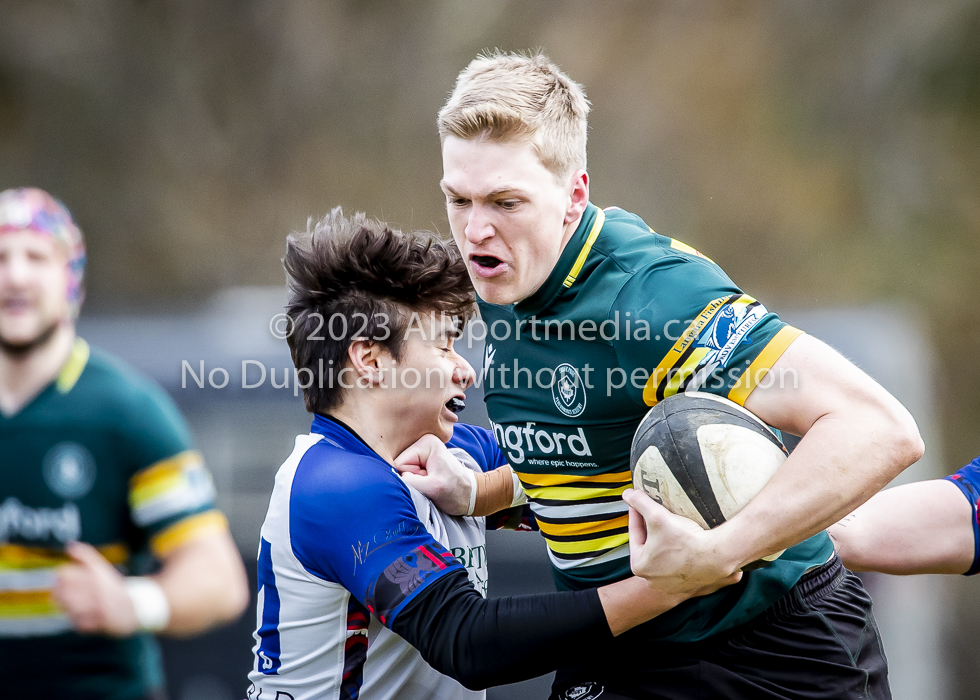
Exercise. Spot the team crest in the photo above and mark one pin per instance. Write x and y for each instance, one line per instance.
(568, 390)
(69, 470)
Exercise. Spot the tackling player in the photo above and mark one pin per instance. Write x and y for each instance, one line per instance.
(98, 472)
(927, 527)
(353, 564)
(620, 317)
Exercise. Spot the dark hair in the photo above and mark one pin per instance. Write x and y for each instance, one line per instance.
(357, 278)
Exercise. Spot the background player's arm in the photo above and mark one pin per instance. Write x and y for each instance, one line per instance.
(856, 438)
(920, 528)
(203, 581)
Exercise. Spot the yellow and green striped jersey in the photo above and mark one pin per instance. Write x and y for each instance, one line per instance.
(627, 318)
(100, 456)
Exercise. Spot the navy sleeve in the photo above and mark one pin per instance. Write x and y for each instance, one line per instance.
(968, 481)
(491, 641)
(352, 521)
(480, 443)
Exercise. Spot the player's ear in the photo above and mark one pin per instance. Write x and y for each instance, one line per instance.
(578, 196)
(366, 358)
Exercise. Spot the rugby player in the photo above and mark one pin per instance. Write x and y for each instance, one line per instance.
(354, 565)
(98, 473)
(619, 317)
(927, 527)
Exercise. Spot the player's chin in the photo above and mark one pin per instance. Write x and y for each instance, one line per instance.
(447, 421)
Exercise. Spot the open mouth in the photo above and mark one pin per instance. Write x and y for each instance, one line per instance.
(455, 404)
(486, 261)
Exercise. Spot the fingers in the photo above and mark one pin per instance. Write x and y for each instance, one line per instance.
(85, 554)
(415, 480)
(648, 508)
(416, 455)
(74, 591)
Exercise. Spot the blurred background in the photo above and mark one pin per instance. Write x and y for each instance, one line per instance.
(826, 154)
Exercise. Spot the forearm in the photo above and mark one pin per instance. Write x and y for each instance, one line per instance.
(920, 528)
(205, 585)
(632, 602)
(856, 439)
(838, 465)
(483, 642)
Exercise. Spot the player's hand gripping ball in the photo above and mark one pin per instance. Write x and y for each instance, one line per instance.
(704, 457)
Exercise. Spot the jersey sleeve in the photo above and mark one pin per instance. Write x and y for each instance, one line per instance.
(480, 444)
(691, 329)
(171, 493)
(968, 481)
(357, 526)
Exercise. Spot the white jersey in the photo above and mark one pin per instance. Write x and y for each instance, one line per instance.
(345, 546)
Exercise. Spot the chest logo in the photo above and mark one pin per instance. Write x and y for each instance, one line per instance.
(568, 390)
(69, 470)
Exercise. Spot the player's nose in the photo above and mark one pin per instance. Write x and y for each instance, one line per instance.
(464, 374)
(478, 225)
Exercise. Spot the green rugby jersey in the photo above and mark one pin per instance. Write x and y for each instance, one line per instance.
(102, 456)
(627, 318)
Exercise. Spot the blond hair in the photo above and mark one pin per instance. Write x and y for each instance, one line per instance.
(507, 96)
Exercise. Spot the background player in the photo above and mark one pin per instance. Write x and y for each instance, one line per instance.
(927, 527)
(354, 565)
(513, 143)
(98, 471)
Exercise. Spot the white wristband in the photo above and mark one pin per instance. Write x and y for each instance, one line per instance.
(472, 492)
(150, 603)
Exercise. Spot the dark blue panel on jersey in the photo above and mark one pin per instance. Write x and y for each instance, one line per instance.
(269, 647)
(480, 444)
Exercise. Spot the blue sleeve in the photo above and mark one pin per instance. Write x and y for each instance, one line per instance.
(352, 521)
(968, 481)
(480, 444)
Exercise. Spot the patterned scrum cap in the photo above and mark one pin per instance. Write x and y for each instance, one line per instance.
(31, 209)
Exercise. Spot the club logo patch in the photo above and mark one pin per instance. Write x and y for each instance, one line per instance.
(69, 470)
(568, 390)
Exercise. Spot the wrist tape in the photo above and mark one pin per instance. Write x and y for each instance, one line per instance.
(495, 491)
(150, 603)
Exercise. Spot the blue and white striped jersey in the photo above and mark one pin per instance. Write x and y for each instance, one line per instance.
(345, 546)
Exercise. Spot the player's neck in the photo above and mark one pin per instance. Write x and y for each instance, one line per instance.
(24, 375)
(378, 424)
(368, 428)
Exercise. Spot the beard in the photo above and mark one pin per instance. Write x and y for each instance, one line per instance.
(20, 350)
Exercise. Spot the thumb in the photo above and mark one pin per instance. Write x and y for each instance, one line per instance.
(413, 480)
(652, 513)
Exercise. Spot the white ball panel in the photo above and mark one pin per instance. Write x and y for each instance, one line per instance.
(653, 476)
(739, 463)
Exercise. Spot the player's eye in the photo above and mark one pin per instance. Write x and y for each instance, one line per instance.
(508, 204)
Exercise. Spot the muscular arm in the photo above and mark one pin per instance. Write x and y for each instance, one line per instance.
(920, 528)
(203, 580)
(856, 438)
(205, 584)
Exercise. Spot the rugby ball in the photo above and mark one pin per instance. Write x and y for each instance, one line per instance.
(704, 457)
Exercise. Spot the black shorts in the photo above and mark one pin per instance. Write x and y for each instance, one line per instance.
(819, 641)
